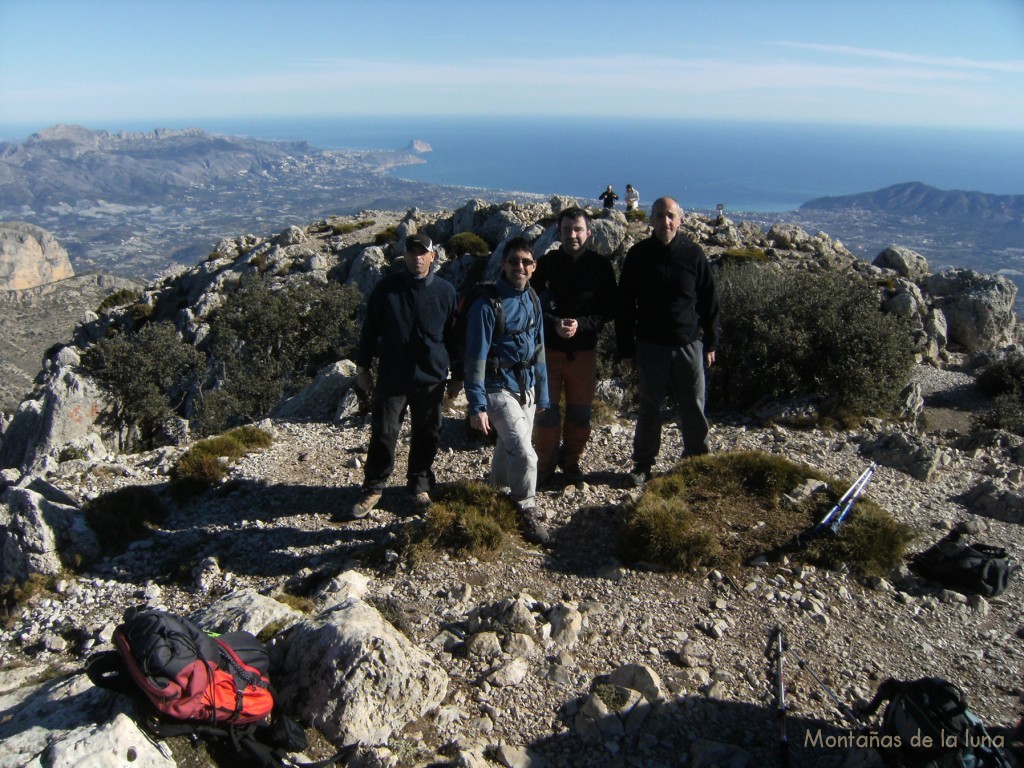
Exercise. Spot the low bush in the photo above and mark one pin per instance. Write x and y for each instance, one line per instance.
(348, 227)
(723, 510)
(123, 516)
(122, 297)
(637, 214)
(743, 256)
(470, 519)
(386, 236)
(787, 333)
(468, 242)
(1003, 377)
(206, 463)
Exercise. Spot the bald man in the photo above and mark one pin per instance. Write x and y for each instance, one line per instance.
(667, 328)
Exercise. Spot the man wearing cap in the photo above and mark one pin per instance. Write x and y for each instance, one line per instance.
(409, 319)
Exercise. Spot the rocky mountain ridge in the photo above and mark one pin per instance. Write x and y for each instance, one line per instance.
(136, 204)
(915, 198)
(501, 660)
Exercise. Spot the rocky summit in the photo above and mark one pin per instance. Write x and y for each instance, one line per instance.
(555, 656)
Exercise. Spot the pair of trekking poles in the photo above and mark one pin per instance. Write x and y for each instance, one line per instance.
(775, 652)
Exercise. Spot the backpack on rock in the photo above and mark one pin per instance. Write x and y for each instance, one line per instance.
(188, 683)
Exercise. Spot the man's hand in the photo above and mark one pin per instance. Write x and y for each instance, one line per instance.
(627, 364)
(363, 380)
(709, 358)
(480, 421)
(566, 327)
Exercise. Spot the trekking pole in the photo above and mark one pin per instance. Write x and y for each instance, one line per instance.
(842, 507)
(845, 710)
(863, 480)
(774, 652)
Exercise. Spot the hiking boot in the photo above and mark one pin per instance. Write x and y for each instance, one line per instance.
(421, 502)
(535, 530)
(366, 503)
(639, 476)
(573, 473)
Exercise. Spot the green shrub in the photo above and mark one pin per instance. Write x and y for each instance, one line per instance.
(348, 227)
(123, 516)
(72, 453)
(637, 214)
(120, 298)
(386, 236)
(146, 376)
(205, 464)
(723, 510)
(1006, 413)
(788, 333)
(468, 242)
(468, 518)
(743, 256)
(1003, 377)
(267, 343)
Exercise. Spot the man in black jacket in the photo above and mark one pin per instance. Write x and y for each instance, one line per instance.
(577, 290)
(667, 328)
(409, 317)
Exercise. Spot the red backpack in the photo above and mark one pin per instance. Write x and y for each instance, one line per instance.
(189, 675)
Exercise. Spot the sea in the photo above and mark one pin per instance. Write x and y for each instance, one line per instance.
(742, 166)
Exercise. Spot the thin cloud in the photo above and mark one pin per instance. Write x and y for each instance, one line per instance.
(1012, 66)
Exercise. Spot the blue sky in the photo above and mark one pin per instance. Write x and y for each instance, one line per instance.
(938, 63)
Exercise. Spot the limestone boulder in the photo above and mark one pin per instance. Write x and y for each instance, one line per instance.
(905, 262)
(978, 308)
(319, 400)
(353, 675)
(41, 536)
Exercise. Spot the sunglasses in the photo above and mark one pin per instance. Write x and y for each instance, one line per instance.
(515, 262)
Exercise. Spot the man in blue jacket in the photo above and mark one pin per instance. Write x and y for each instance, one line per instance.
(409, 319)
(667, 328)
(506, 379)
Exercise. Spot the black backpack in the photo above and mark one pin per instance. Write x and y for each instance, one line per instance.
(928, 725)
(980, 569)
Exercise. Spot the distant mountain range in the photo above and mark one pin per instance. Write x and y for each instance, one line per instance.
(915, 198)
(137, 203)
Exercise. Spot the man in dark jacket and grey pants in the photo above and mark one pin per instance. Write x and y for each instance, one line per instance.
(667, 328)
(409, 318)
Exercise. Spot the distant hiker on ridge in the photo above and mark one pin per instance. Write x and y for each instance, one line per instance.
(409, 319)
(667, 328)
(577, 290)
(632, 198)
(608, 197)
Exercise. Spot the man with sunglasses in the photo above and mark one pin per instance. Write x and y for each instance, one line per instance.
(667, 328)
(577, 290)
(409, 319)
(506, 379)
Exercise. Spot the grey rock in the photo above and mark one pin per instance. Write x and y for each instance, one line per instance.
(354, 676)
